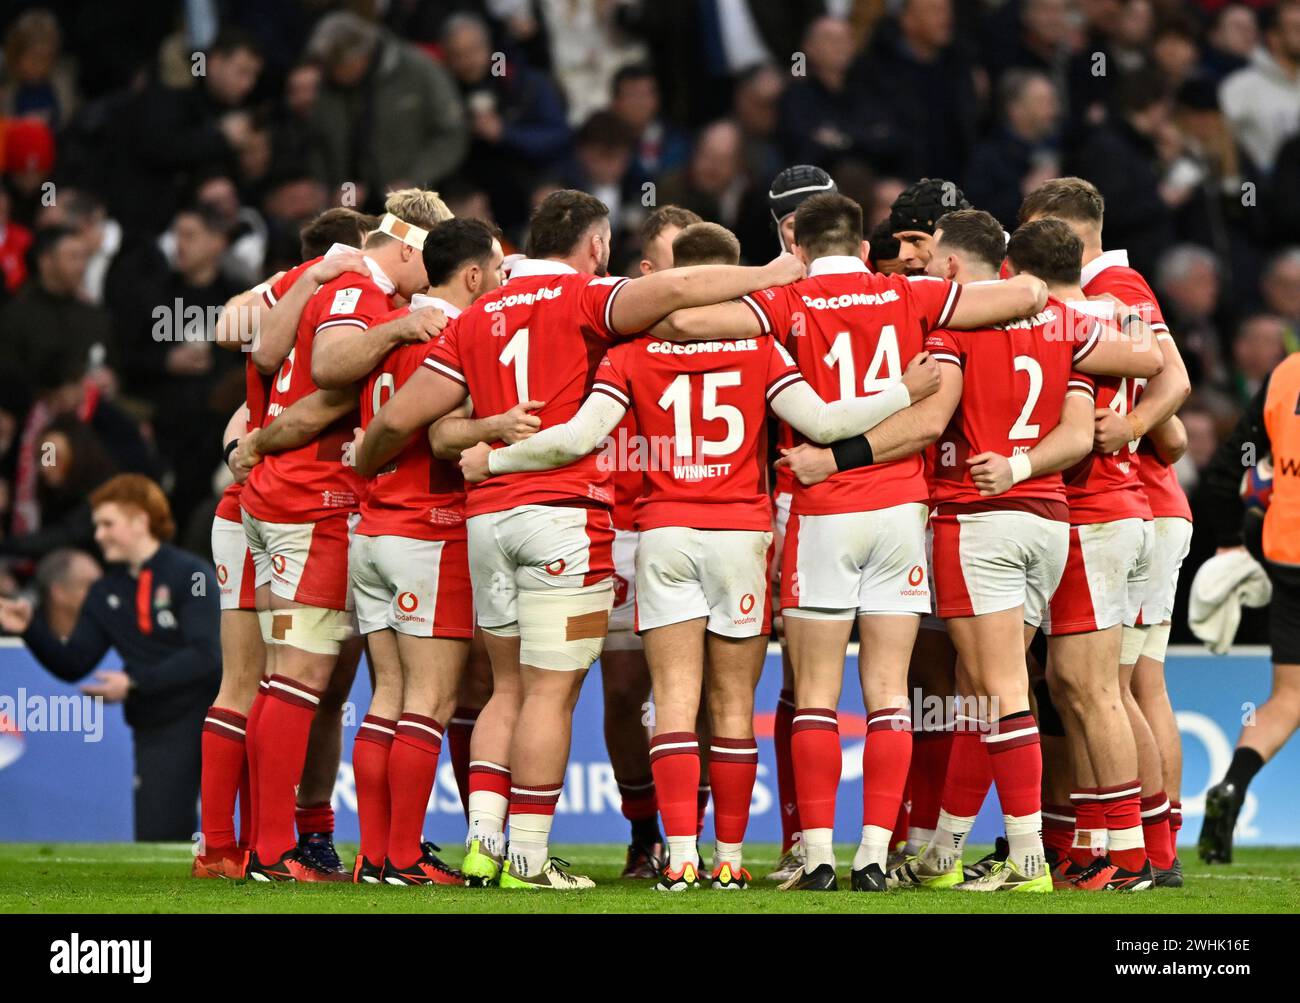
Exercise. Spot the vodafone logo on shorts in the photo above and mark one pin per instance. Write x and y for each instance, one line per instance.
(407, 603)
(746, 608)
(556, 567)
(222, 574)
(278, 563)
(620, 590)
(914, 578)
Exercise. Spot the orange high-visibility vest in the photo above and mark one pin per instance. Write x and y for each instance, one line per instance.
(1282, 422)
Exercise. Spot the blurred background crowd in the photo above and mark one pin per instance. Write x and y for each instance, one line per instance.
(160, 156)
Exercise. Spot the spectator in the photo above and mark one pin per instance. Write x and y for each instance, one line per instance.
(1233, 37)
(101, 234)
(387, 116)
(713, 184)
(1187, 278)
(1281, 287)
(48, 320)
(928, 87)
(1256, 351)
(1123, 159)
(1262, 101)
(1089, 73)
(823, 117)
(757, 107)
(587, 45)
(1175, 52)
(168, 138)
(70, 462)
(171, 361)
(634, 100)
(516, 118)
(62, 579)
(1022, 153)
(244, 227)
(1040, 40)
(602, 156)
(36, 83)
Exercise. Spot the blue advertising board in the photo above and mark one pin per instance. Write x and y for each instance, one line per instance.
(65, 761)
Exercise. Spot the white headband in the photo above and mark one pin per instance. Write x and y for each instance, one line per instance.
(407, 233)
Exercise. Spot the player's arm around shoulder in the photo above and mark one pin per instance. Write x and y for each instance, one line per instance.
(642, 302)
(1125, 347)
(344, 354)
(418, 403)
(983, 304)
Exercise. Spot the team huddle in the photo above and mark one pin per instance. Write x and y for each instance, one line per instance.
(493, 482)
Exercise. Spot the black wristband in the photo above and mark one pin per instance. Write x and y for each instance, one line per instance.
(851, 453)
(230, 448)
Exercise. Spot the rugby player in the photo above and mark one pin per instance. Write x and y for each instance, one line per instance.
(225, 767)
(1142, 421)
(789, 190)
(410, 581)
(1001, 533)
(849, 329)
(624, 676)
(702, 578)
(1105, 577)
(297, 507)
(540, 544)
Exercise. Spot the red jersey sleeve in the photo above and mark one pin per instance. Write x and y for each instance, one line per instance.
(596, 306)
(611, 379)
(1083, 331)
(776, 309)
(931, 299)
(782, 371)
(1081, 385)
(271, 292)
(946, 346)
(444, 355)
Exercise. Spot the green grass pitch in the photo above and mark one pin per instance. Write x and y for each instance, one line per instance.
(154, 878)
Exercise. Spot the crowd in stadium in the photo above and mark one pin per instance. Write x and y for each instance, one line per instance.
(133, 183)
(191, 170)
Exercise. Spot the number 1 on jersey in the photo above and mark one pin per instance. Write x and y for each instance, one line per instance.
(516, 352)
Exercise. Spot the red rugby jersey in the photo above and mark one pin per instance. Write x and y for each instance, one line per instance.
(415, 495)
(312, 481)
(1015, 378)
(538, 337)
(628, 481)
(1104, 487)
(1109, 272)
(852, 333)
(702, 410)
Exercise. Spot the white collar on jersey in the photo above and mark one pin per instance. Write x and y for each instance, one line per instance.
(540, 266)
(1106, 259)
(376, 273)
(420, 300)
(837, 264)
(1104, 309)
